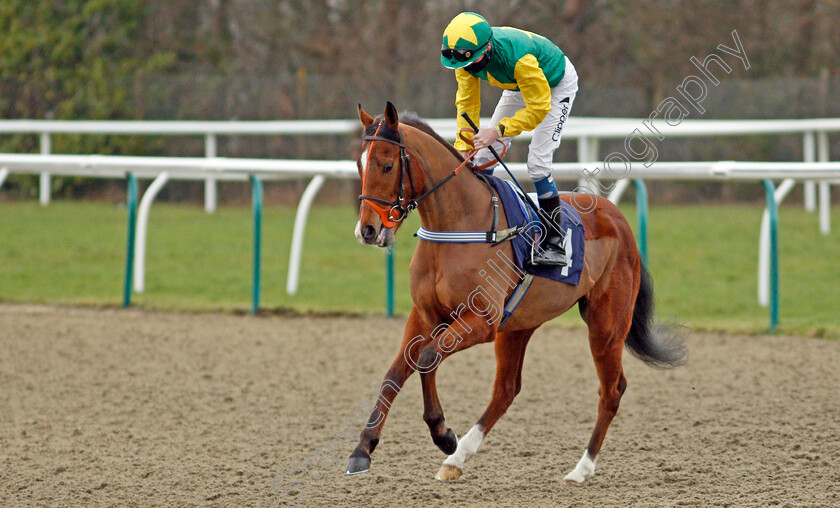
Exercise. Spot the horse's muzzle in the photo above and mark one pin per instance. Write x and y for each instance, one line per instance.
(368, 235)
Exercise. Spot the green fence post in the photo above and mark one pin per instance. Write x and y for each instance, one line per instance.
(773, 212)
(389, 281)
(642, 216)
(132, 227)
(256, 200)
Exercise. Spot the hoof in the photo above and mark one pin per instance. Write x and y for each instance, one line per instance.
(574, 478)
(448, 473)
(583, 471)
(447, 443)
(357, 465)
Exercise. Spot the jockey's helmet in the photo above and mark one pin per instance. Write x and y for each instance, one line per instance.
(464, 40)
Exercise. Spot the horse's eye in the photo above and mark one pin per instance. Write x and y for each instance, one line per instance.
(387, 167)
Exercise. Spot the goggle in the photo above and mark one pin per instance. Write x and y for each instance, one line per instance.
(462, 55)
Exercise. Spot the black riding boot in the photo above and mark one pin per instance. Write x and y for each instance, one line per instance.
(552, 252)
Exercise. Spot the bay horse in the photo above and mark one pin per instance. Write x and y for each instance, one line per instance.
(406, 165)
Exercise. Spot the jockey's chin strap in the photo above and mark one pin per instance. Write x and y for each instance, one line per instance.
(394, 212)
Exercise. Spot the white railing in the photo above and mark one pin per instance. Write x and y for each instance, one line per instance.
(587, 131)
(229, 168)
(162, 169)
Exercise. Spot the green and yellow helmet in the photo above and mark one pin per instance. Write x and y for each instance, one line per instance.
(464, 40)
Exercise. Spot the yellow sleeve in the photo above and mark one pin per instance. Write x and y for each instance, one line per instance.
(467, 99)
(535, 92)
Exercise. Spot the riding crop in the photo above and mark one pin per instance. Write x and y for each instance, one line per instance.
(498, 158)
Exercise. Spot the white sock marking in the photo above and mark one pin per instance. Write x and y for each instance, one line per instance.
(585, 469)
(467, 446)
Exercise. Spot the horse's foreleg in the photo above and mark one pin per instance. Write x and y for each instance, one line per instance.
(443, 437)
(510, 354)
(391, 385)
(468, 330)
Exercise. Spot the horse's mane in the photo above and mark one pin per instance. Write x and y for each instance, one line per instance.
(410, 118)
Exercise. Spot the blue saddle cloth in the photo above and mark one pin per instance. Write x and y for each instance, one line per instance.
(520, 213)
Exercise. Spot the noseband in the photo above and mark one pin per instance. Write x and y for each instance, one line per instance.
(403, 205)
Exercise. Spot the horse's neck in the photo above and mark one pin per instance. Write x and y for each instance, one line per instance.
(461, 204)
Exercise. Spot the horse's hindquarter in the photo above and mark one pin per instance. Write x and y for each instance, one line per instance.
(548, 299)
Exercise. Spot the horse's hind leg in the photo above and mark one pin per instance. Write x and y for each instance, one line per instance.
(510, 354)
(609, 318)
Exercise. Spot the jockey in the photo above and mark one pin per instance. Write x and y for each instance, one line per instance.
(539, 85)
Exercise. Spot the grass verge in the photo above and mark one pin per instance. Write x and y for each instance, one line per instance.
(703, 261)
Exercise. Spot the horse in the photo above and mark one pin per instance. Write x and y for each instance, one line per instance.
(405, 165)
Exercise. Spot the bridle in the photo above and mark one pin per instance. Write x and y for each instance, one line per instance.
(386, 212)
(403, 205)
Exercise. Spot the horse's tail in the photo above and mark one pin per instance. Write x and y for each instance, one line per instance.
(658, 345)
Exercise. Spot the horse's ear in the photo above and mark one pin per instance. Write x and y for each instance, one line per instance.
(392, 119)
(365, 118)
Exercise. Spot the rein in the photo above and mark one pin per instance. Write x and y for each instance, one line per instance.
(386, 213)
(389, 220)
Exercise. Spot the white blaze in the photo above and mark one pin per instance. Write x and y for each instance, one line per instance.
(364, 160)
(363, 163)
(359, 232)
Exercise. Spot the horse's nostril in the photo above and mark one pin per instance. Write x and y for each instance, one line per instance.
(368, 232)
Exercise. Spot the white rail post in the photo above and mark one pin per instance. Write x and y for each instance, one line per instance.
(297, 235)
(764, 245)
(142, 226)
(594, 146)
(210, 182)
(825, 190)
(45, 190)
(4, 172)
(808, 154)
(618, 190)
(584, 151)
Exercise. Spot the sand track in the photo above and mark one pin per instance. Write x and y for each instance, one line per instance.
(130, 408)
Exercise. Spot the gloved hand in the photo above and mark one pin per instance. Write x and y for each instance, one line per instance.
(485, 137)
